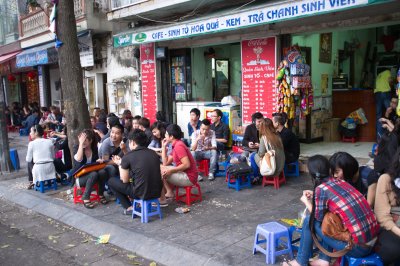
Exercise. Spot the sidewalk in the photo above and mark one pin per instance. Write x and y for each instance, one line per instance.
(218, 231)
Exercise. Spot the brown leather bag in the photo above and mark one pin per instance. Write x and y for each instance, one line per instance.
(86, 169)
(333, 227)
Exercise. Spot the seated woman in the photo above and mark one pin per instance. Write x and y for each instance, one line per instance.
(388, 197)
(185, 172)
(339, 197)
(269, 136)
(158, 131)
(345, 167)
(61, 143)
(39, 157)
(87, 153)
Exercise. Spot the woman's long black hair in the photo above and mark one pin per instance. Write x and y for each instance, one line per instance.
(394, 172)
(318, 168)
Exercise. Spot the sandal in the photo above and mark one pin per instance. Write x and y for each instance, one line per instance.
(31, 185)
(103, 200)
(88, 204)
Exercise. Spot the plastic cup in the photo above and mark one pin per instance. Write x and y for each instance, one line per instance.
(300, 216)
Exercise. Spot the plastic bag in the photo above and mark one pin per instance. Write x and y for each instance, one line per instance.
(228, 100)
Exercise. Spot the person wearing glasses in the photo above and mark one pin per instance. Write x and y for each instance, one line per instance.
(221, 130)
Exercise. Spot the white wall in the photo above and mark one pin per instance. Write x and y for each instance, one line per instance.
(55, 94)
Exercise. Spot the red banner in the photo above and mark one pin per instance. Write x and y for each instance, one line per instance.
(149, 85)
(258, 77)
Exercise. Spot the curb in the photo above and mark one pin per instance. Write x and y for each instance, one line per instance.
(152, 249)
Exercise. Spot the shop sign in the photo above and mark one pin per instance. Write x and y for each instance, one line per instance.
(32, 59)
(149, 87)
(256, 17)
(258, 77)
(86, 51)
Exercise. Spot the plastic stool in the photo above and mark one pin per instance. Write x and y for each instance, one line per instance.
(224, 165)
(349, 139)
(46, 185)
(81, 190)
(239, 182)
(203, 166)
(24, 132)
(292, 169)
(274, 180)
(372, 259)
(14, 159)
(272, 232)
(189, 197)
(146, 209)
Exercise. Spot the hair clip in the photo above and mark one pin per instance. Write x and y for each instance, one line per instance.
(397, 182)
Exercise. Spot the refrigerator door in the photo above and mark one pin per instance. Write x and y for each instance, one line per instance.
(183, 114)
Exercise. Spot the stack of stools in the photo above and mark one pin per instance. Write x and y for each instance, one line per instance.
(239, 182)
(145, 209)
(42, 186)
(274, 180)
(272, 232)
(188, 197)
(203, 166)
(78, 192)
(292, 169)
(14, 159)
(372, 259)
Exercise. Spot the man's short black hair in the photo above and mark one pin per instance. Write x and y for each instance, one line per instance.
(137, 117)
(195, 111)
(256, 115)
(113, 120)
(175, 131)
(219, 113)
(279, 119)
(102, 118)
(205, 122)
(119, 126)
(144, 122)
(111, 115)
(139, 137)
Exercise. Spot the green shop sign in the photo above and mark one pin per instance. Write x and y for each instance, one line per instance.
(123, 40)
(140, 37)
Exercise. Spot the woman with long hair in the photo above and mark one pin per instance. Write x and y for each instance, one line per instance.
(334, 195)
(39, 157)
(387, 198)
(270, 140)
(87, 153)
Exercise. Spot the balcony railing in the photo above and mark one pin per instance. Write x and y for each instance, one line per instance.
(38, 21)
(116, 4)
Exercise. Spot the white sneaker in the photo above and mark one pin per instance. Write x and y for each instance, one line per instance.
(211, 176)
(199, 178)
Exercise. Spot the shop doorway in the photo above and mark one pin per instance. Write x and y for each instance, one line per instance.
(221, 77)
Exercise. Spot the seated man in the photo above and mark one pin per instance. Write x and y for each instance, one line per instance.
(204, 146)
(290, 142)
(221, 130)
(194, 123)
(33, 119)
(391, 110)
(184, 173)
(140, 176)
(251, 138)
(144, 125)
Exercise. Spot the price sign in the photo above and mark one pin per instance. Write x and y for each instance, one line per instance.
(149, 85)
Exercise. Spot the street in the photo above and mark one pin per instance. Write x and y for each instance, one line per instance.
(28, 238)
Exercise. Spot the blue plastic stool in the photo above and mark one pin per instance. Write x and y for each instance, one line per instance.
(221, 173)
(117, 201)
(14, 159)
(24, 132)
(372, 259)
(239, 182)
(46, 185)
(292, 169)
(146, 210)
(272, 232)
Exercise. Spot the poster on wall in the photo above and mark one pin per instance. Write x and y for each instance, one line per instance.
(258, 77)
(149, 86)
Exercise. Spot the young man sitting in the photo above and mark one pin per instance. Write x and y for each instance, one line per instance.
(221, 130)
(140, 176)
(290, 142)
(204, 146)
(194, 123)
(144, 125)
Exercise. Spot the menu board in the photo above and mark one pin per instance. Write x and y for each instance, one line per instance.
(149, 87)
(258, 77)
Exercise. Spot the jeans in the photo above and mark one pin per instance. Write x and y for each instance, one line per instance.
(382, 102)
(30, 176)
(109, 171)
(306, 244)
(254, 166)
(88, 182)
(122, 191)
(212, 155)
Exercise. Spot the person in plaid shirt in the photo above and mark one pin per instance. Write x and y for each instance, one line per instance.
(204, 146)
(339, 197)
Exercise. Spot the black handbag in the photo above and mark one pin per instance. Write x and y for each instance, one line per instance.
(239, 169)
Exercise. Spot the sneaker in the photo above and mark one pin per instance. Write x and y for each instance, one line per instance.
(199, 178)
(211, 176)
(127, 212)
(163, 205)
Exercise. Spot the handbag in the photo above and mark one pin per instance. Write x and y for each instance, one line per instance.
(239, 169)
(87, 168)
(333, 227)
(268, 162)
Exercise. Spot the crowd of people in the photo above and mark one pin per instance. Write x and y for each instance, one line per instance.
(146, 161)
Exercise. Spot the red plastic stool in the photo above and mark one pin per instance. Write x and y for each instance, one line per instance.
(203, 167)
(349, 139)
(274, 180)
(93, 197)
(189, 197)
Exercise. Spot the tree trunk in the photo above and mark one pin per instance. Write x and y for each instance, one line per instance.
(5, 162)
(75, 104)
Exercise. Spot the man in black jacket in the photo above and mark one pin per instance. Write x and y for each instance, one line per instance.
(251, 138)
(290, 142)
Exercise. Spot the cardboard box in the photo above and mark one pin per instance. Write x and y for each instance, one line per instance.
(331, 129)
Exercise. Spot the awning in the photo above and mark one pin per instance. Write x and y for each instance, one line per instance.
(6, 57)
(39, 55)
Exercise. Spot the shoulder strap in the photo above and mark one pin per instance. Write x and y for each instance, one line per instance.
(266, 143)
